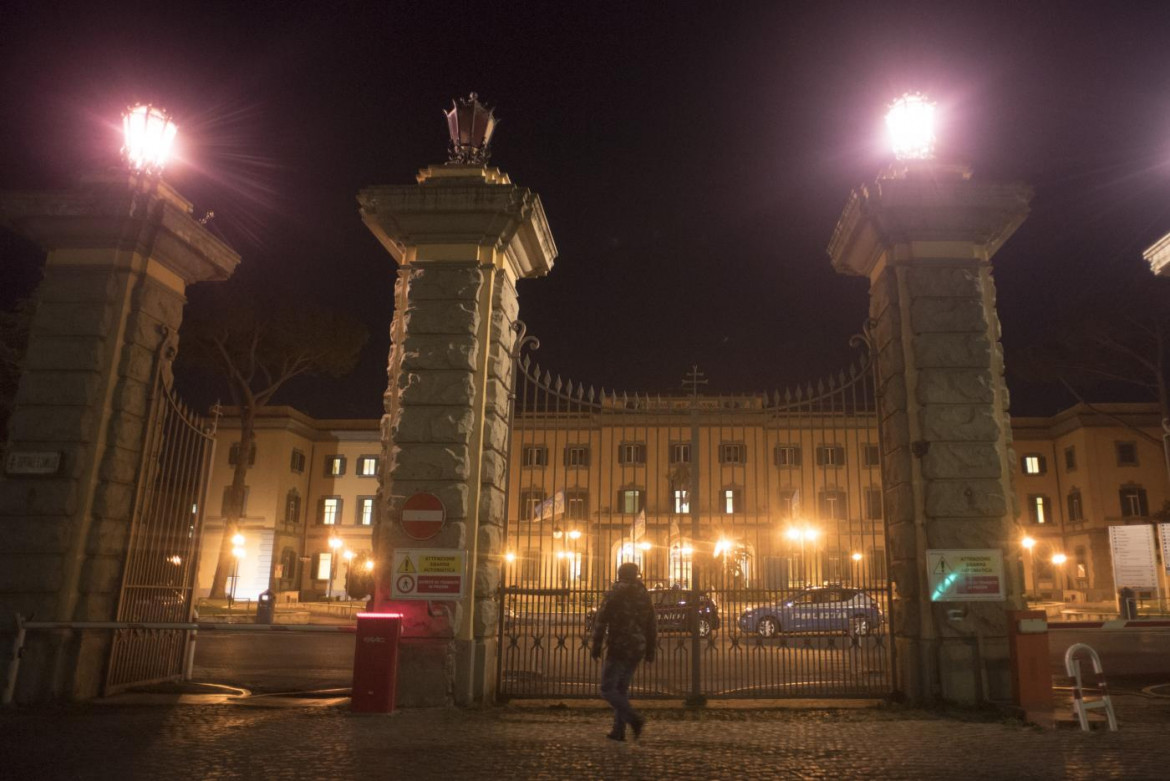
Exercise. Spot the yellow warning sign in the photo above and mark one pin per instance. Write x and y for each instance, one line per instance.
(406, 566)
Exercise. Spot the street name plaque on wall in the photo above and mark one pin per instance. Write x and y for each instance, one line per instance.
(974, 575)
(33, 463)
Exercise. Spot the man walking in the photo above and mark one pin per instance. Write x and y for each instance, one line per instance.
(632, 628)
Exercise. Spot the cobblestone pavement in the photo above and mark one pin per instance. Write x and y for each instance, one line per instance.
(236, 741)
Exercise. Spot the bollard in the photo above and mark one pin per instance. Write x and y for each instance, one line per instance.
(265, 608)
(1028, 643)
(375, 662)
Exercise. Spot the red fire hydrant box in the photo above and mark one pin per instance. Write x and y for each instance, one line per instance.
(375, 662)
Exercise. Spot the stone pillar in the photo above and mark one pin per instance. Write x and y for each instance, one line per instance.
(462, 237)
(121, 251)
(924, 235)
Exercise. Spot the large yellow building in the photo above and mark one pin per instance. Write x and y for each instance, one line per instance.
(754, 499)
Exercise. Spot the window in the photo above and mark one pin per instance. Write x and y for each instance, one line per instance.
(631, 453)
(1127, 454)
(297, 462)
(292, 507)
(1081, 558)
(787, 455)
(334, 466)
(329, 511)
(873, 503)
(530, 564)
(789, 501)
(227, 501)
(732, 453)
(1070, 458)
(322, 563)
(1133, 502)
(234, 454)
(681, 501)
(577, 455)
(534, 455)
(731, 500)
(287, 568)
(630, 500)
(1033, 464)
(1039, 509)
(365, 511)
(830, 455)
(832, 505)
(367, 466)
(577, 505)
(680, 452)
(870, 455)
(1075, 512)
(530, 502)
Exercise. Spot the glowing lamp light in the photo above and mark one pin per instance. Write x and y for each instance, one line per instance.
(856, 557)
(348, 555)
(686, 550)
(510, 557)
(793, 534)
(561, 554)
(1028, 543)
(237, 540)
(369, 565)
(176, 560)
(910, 122)
(645, 545)
(1059, 559)
(335, 543)
(575, 534)
(811, 534)
(238, 552)
(148, 136)
(722, 547)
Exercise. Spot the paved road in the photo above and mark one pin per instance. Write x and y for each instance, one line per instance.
(1124, 652)
(239, 742)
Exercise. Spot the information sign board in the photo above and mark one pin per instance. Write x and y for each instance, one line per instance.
(1134, 561)
(425, 573)
(965, 575)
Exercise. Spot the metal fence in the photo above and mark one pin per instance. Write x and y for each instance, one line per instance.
(158, 578)
(755, 519)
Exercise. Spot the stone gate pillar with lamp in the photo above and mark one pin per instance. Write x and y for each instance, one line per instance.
(462, 237)
(924, 234)
(122, 247)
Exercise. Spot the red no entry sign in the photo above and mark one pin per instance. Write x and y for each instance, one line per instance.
(423, 516)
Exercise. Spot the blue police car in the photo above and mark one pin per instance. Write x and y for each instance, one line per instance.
(815, 610)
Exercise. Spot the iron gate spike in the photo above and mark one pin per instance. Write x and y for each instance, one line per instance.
(557, 387)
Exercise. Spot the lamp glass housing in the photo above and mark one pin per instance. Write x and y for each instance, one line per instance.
(148, 136)
(910, 123)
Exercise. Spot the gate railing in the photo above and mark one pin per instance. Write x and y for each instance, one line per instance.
(732, 506)
(158, 576)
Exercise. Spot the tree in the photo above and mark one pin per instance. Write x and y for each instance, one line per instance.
(256, 342)
(359, 577)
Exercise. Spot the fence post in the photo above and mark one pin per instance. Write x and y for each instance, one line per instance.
(14, 661)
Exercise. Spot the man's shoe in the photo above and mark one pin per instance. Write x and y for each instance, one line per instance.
(617, 735)
(636, 726)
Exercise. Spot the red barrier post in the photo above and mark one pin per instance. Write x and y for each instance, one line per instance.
(375, 662)
(1028, 641)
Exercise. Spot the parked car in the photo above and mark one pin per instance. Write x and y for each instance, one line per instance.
(820, 609)
(673, 612)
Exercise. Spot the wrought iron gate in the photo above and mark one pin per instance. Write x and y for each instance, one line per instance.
(756, 521)
(158, 576)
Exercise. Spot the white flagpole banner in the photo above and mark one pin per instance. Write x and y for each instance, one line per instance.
(550, 508)
(1134, 562)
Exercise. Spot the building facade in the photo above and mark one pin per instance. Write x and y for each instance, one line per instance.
(755, 500)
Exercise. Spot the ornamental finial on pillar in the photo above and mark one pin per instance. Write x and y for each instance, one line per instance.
(470, 124)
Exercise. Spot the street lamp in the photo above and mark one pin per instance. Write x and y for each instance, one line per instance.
(348, 556)
(1058, 560)
(802, 535)
(237, 554)
(148, 137)
(910, 122)
(334, 544)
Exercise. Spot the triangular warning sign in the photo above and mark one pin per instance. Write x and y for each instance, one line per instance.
(407, 565)
(939, 569)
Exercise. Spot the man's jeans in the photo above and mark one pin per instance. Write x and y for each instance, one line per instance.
(615, 687)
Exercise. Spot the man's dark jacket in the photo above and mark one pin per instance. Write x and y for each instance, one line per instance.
(629, 616)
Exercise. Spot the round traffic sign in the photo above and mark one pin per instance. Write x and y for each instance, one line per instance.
(405, 584)
(423, 516)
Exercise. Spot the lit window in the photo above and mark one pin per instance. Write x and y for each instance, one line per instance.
(680, 452)
(330, 510)
(365, 511)
(534, 456)
(577, 455)
(682, 501)
(1038, 509)
(732, 453)
(629, 500)
(732, 500)
(368, 466)
(787, 455)
(1033, 465)
(334, 466)
(322, 566)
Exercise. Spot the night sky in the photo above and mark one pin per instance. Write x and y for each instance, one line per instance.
(693, 158)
